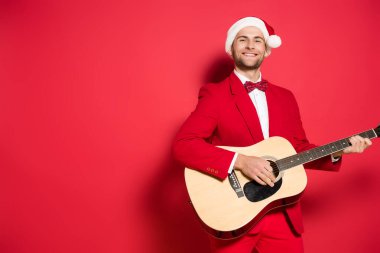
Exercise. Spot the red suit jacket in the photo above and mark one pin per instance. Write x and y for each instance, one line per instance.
(226, 116)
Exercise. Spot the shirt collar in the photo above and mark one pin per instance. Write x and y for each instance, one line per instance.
(244, 79)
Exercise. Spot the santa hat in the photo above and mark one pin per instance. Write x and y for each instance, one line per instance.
(272, 40)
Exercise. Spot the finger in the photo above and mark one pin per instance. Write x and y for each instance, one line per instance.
(268, 167)
(269, 174)
(362, 144)
(266, 179)
(258, 180)
(357, 143)
(354, 140)
(368, 141)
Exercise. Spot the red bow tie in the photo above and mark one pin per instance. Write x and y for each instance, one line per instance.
(250, 86)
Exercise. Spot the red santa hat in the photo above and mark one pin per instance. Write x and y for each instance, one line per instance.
(272, 40)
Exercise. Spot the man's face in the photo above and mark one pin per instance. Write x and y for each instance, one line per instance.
(249, 49)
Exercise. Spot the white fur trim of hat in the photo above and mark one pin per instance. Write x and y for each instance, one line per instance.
(271, 39)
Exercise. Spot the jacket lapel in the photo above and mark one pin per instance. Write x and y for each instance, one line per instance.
(271, 110)
(246, 108)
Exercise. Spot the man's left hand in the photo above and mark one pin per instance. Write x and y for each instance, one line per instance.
(358, 145)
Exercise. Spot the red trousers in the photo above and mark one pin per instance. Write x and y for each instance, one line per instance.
(272, 234)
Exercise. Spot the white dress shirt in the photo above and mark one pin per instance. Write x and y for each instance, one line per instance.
(259, 100)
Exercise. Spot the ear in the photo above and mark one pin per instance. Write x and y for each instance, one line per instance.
(268, 51)
(229, 52)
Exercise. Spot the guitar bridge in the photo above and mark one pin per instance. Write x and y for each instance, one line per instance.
(234, 182)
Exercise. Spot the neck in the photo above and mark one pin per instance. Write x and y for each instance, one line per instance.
(252, 74)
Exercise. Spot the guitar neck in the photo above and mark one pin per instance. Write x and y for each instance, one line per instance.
(319, 152)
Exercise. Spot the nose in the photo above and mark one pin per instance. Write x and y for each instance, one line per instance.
(250, 44)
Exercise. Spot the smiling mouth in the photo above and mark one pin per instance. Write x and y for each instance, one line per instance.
(250, 54)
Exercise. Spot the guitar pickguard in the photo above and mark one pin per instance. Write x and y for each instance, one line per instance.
(256, 192)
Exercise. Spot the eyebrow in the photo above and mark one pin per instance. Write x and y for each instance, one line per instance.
(246, 37)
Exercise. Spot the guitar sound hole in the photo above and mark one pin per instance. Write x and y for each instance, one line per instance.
(256, 192)
(275, 168)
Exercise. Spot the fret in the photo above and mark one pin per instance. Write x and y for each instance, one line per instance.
(303, 158)
(334, 148)
(289, 162)
(338, 145)
(314, 154)
(328, 149)
(345, 143)
(325, 150)
(309, 156)
(319, 152)
(368, 134)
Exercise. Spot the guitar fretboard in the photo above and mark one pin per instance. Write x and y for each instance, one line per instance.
(319, 152)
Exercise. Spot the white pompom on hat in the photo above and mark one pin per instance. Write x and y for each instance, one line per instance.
(271, 39)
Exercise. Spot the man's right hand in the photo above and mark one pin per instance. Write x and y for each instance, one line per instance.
(255, 168)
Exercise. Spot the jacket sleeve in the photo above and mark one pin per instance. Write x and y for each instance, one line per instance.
(192, 144)
(301, 143)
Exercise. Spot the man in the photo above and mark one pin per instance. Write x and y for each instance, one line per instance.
(237, 112)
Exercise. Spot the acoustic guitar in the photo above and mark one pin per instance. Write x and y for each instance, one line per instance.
(231, 207)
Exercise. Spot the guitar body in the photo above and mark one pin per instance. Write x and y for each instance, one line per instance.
(229, 208)
(227, 214)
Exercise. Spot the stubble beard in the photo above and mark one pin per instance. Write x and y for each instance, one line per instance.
(245, 67)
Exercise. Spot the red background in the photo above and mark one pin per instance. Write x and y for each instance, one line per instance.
(92, 93)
